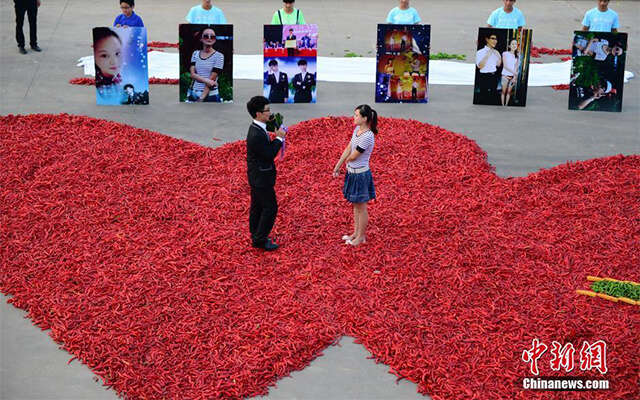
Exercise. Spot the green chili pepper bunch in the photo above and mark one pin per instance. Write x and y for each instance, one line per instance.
(274, 122)
(617, 289)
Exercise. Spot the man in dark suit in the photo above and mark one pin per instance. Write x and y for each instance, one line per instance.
(291, 50)
(302, 83)
(261, 171)
(279, 83)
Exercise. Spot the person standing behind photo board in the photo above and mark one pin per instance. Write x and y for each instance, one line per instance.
(205, 13)
(507, 17)
(601, 19)
(288, 15)
(128, 16)
(403, 14)
(30, 7)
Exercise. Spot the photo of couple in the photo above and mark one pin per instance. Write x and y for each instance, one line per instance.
(502, 67)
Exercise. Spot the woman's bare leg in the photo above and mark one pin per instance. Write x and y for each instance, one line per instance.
(363, 219)
(356, 215)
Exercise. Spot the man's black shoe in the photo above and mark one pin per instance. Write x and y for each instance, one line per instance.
(36, 48)
(270, 246)
(22, 50)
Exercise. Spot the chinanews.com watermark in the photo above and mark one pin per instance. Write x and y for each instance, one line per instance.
(591, 357)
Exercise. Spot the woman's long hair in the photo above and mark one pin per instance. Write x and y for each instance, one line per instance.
(516, 53)
(370, 115)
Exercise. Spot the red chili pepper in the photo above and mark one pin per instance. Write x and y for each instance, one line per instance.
(133, 249)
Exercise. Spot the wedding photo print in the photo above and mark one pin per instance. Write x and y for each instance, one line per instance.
(502, 67)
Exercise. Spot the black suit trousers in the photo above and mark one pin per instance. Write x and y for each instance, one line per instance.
(30, 7)
(262, 213)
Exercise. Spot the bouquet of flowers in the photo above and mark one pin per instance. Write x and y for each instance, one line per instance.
(275, 123)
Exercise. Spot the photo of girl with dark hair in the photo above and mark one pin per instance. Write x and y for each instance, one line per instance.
(205, 70)
(120, 57)
(206, 65)
(509, 70)
(107, 53)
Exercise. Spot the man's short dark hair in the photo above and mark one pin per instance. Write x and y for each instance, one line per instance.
(302, 62)
(131, 3)
(256, 104)
(290, 29)
(272, 63)
(128, 85)
(288, 1)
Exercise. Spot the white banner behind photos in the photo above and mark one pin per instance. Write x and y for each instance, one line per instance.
(354, 69)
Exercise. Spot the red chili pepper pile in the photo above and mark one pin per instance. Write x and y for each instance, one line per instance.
(152, 81)
(133, 249)
(162, 44)
(538, 51)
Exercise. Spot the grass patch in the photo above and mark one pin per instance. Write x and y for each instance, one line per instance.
(446, 56)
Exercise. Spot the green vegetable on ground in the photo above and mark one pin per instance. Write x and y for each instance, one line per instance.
(617, 289)
(447, 56)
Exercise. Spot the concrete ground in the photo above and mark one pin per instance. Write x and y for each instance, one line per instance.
(518, 140)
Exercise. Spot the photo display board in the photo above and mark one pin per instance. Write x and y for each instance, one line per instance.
(121, 65)
(290, 67)
(597, 71)
(402, 63)
(206, 63)
(502, 67)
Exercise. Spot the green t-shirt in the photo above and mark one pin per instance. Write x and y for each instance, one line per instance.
(295, 18)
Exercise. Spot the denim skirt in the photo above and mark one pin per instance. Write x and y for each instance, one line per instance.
(358, 188)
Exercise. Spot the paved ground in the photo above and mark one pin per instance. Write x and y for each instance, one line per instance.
(518, 141)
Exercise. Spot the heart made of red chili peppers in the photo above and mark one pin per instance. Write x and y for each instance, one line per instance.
(132, 247)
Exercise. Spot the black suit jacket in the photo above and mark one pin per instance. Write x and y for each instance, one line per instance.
(279, 90)
(261, 151)
(303, 88)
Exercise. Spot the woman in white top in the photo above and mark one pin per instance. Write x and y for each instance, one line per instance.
(358, 186)
(509, 70)
(206, 64)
